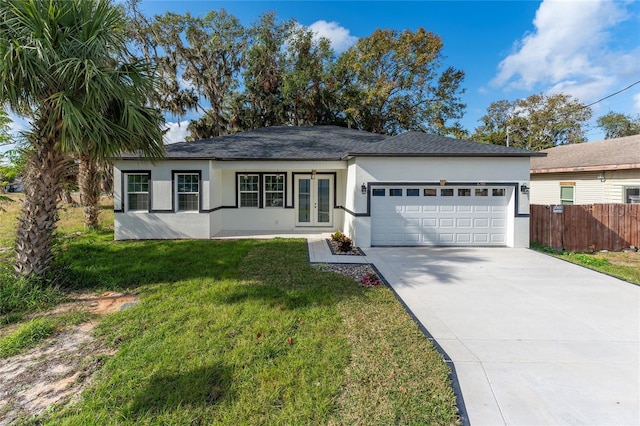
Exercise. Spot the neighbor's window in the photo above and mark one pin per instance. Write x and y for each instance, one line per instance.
(632, 195)
(249, 188)
(138, 191)
(187, 188)
(274, 190)
(566, 195)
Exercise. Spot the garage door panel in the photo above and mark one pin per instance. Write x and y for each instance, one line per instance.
(470, 216)
(480, 238)
(463, 238)
(430, 222)
(464, 223)
(498, 223)
(412, 238)
(446, 238)
(482, 222)
(445, 222)
(429, 238)
(497, 238)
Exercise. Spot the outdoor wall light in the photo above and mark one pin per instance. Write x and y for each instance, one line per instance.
(524, 188)
(602, 177)
(363, 188)
(313, 174)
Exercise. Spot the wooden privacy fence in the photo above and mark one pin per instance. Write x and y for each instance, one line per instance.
(586, 227)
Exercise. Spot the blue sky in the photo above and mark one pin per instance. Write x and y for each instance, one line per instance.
(508, 49)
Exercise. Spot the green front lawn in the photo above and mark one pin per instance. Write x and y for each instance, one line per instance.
(247, 332)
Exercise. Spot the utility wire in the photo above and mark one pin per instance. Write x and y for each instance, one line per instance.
(611, 95)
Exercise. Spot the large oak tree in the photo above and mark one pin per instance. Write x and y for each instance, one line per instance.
(537, 122)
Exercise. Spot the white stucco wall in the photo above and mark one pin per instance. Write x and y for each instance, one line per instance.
(162, 221)
(431, 170)
(219, 199)
(219, 194)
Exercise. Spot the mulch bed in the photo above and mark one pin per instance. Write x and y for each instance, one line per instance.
(355, 271)
(335, 249)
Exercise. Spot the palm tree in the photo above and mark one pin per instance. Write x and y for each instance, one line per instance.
(64, 64)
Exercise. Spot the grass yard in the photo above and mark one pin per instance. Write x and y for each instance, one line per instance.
(244, 332)
(623, 265)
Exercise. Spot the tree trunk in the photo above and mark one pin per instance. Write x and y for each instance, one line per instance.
(89, 183)
(43, 175)
(66, 197)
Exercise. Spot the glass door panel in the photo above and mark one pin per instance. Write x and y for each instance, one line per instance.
(324, 205)
(304, 201)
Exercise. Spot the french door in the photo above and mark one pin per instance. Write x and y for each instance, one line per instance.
(313, 196)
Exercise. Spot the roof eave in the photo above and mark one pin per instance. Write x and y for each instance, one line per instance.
(597, 168)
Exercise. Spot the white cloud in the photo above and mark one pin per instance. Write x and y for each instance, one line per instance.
(636, 103)
(18, 123)
(339, 36)
(568, 51)
(177, 132)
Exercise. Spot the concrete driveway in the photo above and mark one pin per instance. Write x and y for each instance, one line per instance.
(534, 340)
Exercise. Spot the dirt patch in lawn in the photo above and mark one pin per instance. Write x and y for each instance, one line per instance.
(59, 368)
(624, 258)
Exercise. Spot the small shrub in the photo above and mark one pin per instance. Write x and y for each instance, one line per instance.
(370, 280)
(345, 244)
(337, 236)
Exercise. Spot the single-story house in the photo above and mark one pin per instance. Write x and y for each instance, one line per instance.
(588, 173)
(409, 189)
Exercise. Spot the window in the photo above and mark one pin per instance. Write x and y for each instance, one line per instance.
(413, 192)
(632, 195)
(430, 192)
(497, 192)
(378, 192)
(464, 192)
(249, 189)
(395, 192)
(138, 191)
(482, 192)
(448, 192)
(274, 190)
(187, 190)
(566, 195)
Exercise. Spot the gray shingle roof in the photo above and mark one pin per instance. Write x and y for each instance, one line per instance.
(620, 153)
(329, 143)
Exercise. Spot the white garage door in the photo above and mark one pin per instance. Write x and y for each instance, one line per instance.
(439, 216)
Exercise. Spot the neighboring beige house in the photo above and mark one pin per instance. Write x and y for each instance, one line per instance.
(589, 173)
(409, 189)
